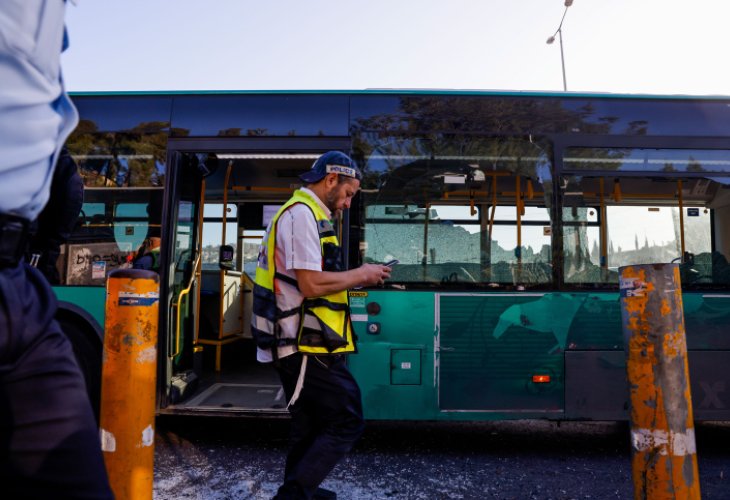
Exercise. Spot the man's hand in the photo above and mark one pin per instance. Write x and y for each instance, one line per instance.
(374, 274)
(320, 283)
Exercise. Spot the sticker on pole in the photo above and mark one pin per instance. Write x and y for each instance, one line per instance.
(632, 287)
(138, 299)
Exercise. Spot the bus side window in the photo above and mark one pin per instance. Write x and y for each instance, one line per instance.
(213, 234)
(664, 227)
(250, 243)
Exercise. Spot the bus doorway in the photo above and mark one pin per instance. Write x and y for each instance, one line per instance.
(211, 355)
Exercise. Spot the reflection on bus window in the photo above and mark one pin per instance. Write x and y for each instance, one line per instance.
(120, 159)
(666, 161)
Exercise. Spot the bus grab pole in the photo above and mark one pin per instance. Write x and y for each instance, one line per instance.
(664, 457)
(129, 370)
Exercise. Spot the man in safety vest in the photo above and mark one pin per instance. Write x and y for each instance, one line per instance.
(301, 322)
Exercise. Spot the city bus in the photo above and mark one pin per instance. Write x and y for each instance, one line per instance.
(509, 213)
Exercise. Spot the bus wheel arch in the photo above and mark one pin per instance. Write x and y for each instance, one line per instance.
(87, 340)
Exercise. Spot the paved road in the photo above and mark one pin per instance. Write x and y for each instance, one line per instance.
(213, 458)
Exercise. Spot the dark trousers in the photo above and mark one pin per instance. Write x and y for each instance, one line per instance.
(326, 420)
(49, 443)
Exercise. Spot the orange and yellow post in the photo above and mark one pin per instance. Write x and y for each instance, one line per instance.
(664, 457)
(129, 369)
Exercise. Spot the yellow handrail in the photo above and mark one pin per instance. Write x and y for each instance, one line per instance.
(178, 350)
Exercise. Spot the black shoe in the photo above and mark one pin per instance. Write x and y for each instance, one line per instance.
(290, 491)
(324, 494)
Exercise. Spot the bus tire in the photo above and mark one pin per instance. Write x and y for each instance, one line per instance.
(87, 349)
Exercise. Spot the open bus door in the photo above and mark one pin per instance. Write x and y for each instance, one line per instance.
(181, 275)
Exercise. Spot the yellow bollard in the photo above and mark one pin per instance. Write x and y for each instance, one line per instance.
(129, 369)
(664, 457)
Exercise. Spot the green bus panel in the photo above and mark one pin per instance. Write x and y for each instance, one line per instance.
(706, 320)
(91, 299)
(405, 367)
(593, 320)
(466, 356)
(406, 324)
(490, 350)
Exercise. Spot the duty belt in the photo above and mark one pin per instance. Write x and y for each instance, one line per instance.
(14, 235)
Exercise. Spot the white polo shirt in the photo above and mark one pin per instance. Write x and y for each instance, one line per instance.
(297, 247)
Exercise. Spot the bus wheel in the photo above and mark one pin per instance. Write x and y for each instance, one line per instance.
(88, 352)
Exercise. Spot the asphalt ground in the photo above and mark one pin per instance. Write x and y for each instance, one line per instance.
(242, 458)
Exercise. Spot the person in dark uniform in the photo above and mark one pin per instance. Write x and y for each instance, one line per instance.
(57, 220)
(49, 442)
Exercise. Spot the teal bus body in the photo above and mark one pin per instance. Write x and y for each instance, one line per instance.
(453, 371)
(91, 298)
(509, 213)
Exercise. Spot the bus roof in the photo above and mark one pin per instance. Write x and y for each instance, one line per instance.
(414, 92)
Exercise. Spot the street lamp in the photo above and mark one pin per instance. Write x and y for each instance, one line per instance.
(559, 32)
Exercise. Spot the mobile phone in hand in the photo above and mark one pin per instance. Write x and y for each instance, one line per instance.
(391, 263)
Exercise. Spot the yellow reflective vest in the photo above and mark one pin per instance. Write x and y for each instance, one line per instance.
(324, 325)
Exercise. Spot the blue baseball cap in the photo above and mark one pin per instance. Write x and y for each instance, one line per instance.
(332, 162)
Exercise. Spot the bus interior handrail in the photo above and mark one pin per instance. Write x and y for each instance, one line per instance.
(184, 292)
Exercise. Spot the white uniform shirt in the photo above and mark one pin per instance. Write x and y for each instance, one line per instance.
(297, 247)
(36, 115)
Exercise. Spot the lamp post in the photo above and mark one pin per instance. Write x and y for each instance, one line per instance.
(559, 32)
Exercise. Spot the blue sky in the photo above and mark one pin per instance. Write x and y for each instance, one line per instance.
(622, 46)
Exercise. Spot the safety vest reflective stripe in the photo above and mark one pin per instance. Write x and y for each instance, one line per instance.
(287, 279)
